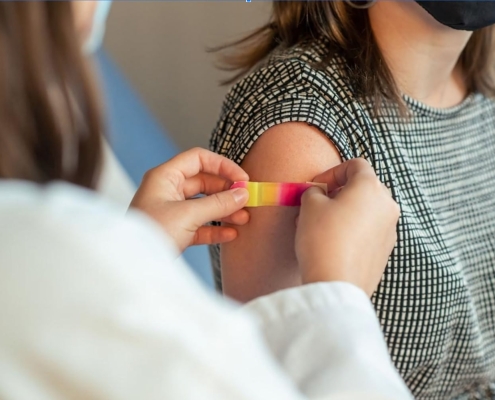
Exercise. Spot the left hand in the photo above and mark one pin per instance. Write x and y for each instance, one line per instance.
(348, 237)
(166, 195)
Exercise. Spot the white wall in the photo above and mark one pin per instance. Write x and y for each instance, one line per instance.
(160, 46)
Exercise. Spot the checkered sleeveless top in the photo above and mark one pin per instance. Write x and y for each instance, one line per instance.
(436, 301)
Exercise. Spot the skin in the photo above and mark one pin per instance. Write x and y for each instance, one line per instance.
(422, 55)
(421, 52)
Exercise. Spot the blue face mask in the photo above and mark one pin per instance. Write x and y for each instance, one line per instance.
(95, 38)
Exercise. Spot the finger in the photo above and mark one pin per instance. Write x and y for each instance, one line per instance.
(240, 217)
(196, 160)
(217, 206)
(334, 193)
(313, 194)
(340, 175)
(204, 183)
(214, 235)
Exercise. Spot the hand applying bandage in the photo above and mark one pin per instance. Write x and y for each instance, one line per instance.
(167, 194)
(348, 237)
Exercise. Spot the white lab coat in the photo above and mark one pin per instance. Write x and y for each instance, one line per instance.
(95, 306)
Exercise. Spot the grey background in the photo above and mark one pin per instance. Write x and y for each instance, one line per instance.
(161, 48)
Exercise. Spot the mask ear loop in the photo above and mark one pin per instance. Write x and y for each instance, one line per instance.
(356, 4)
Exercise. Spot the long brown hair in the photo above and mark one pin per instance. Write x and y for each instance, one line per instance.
(50, 115)
(348, 32)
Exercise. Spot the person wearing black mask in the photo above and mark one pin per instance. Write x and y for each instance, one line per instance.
(410, 87)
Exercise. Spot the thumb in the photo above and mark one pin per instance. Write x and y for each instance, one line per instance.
(314, 193)
(218, 205)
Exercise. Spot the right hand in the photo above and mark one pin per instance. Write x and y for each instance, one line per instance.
(348, 237)
(167, 194)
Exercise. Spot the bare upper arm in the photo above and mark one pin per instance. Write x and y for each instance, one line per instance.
(262, 259)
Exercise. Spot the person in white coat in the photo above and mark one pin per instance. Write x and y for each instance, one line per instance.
(97, 306)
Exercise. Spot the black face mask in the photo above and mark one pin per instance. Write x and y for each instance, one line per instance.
(467, 15)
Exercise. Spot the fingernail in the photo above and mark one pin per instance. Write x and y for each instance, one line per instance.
(240, 195)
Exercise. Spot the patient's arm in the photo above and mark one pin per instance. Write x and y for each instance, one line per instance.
(262, 259)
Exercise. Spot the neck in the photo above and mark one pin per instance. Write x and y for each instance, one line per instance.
(421, 53)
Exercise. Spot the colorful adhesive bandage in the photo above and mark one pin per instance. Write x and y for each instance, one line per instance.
(275, 193)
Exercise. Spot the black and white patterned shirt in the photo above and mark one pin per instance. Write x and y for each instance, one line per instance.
(436, 301)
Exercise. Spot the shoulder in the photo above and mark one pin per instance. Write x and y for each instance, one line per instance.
(288, 87)
(292, 72)
(59, 231)
(64, 251)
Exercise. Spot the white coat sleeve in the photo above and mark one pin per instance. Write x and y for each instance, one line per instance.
(95, 306)
(327, 338)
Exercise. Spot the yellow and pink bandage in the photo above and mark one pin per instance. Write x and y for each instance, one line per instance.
(275, 193)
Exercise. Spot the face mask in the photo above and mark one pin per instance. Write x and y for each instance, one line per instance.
(467, 15)
(95, 38)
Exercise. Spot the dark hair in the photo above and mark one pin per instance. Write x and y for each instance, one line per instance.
(348, 31)
(50, 115)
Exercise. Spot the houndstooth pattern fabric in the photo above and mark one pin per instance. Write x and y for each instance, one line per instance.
(436, 301)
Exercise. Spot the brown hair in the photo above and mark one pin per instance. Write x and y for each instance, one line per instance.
(50, 116)
(348, 32)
